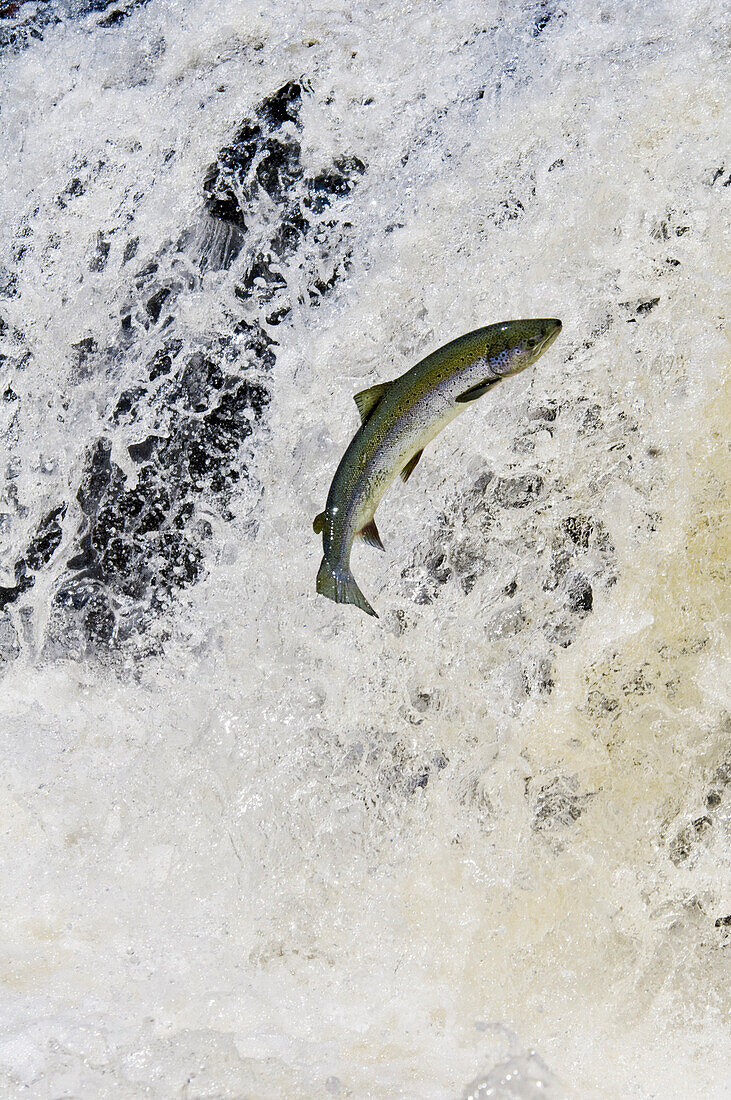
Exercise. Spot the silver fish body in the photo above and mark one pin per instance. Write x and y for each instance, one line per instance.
(399, 419)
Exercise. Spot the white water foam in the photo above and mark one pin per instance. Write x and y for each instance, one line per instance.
(268, 847)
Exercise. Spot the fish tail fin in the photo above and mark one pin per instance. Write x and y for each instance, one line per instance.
(339, 584)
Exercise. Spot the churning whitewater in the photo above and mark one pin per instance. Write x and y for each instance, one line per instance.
(258, 845)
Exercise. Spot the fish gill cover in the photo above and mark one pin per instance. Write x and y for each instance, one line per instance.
(252, 846)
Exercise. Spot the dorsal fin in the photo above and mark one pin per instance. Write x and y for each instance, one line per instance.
(367, 400)
(411, 466)
(477, 391)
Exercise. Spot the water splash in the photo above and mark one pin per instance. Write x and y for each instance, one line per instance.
(252, 844)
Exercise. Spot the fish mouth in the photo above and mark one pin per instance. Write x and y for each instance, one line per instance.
(554, 326)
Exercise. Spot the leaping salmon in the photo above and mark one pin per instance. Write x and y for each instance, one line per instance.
(398, 419)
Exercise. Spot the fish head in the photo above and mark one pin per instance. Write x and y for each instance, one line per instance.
(516, 345)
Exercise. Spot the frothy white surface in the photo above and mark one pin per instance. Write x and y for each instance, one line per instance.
(303, 853)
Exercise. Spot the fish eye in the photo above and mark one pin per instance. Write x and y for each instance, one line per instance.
(532, 342)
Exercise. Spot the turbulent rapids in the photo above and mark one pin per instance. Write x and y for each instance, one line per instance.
(252, 845)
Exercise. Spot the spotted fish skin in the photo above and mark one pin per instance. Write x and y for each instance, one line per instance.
(399, 419)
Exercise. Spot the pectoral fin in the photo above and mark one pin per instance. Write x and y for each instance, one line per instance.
(477, 391)
(318, 523)
(411, 466)
(367, 400)
(369, 534)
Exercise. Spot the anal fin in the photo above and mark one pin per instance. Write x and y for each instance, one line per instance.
(411, 465)
(369, 534)
(477, 391)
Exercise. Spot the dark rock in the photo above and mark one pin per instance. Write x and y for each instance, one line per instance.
(579, 594)
(518, 492)
(560, 630)
(547, 13)
(558, 804)
(144, 451)
(537, 677)
(687, 839)
(9, 645)
(75, 188)
(46, 540)
(41, 549)
(130, 249)
(437, 566)
(154, 304)
(120, 12)
(418, 781)
(139, 543)
(11, 594)
(99, 259)
(468, 563)
(84, 349)
(578, 528)
(423, 701)
(592, 420)
(599, 705)
(546, 412)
